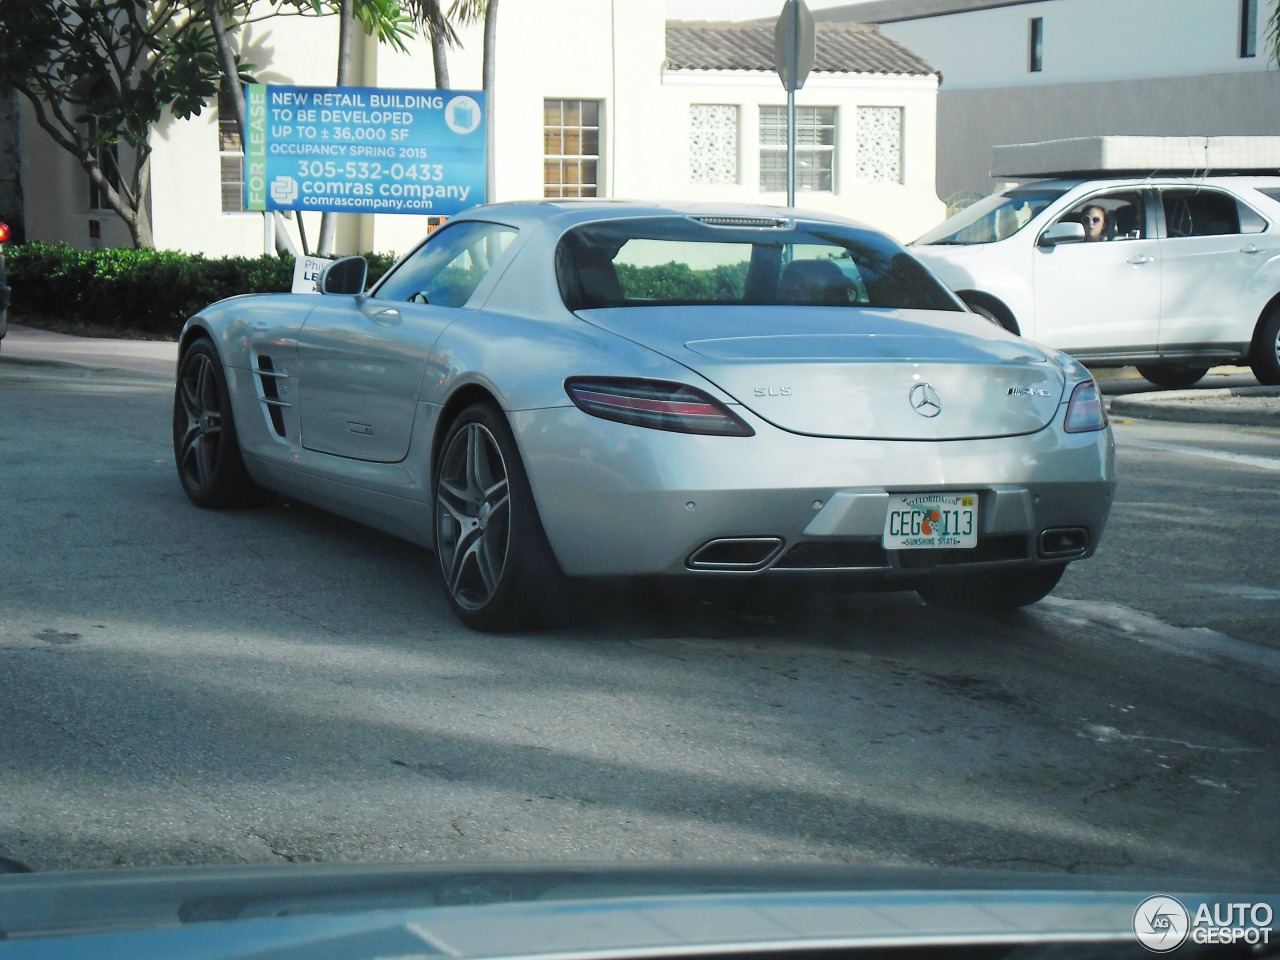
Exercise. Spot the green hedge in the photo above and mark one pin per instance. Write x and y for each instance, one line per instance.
(151, 292)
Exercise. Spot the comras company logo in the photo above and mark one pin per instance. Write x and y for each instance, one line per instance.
(284, 190)
(1162, 923)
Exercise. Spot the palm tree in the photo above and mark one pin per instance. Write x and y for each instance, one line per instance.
(346, 27)
(490, 56)
(439, 25)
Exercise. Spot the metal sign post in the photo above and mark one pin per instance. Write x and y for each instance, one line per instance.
(794, 51)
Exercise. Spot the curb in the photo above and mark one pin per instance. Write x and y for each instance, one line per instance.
(1242, 406)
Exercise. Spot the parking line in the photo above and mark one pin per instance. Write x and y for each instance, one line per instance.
(1262, 463)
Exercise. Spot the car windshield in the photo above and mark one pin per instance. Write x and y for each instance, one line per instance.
(992, 218)
(669, 261)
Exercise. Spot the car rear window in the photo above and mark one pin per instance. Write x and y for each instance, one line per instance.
(677, 261)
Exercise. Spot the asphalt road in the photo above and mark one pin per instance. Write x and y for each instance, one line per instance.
(187, 686)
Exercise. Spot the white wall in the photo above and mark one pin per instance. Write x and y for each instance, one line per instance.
(607, 50)
(1084, 40)
(903, 210)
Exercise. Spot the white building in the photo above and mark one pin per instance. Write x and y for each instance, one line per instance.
(591, 97)
(1021, 71)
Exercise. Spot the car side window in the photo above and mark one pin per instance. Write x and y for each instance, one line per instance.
(1196, 212)
(1110, 216)
(446, 270)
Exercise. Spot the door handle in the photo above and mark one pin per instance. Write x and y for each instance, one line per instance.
(1250, 248)
(1138, 261)
(388, 315)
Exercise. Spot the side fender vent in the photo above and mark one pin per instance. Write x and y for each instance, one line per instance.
(273, 403)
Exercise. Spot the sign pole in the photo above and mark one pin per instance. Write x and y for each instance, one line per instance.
(791, 148)
(794, 46)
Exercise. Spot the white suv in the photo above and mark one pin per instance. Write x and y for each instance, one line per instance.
(1186, 276)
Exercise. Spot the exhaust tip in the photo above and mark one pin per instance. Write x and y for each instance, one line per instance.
(1058, 543)
(742, 554)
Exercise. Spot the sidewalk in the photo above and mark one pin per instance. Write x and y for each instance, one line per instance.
(32, 345)
(1241, 401)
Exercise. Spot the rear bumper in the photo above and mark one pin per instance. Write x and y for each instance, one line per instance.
(624, 501)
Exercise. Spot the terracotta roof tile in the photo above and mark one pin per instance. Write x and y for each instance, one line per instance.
(841, 48)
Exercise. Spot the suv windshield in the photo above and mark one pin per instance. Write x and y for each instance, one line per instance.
(992, 218)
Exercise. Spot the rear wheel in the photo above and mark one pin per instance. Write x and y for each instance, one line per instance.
(498, 569)
(1265, 358)
(992, 591)
(1171, 377)
(205, 446)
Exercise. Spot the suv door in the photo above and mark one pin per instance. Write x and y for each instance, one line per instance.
(1101, 298)
(1213, 245)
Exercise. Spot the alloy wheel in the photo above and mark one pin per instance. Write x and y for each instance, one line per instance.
(473, 516)
(199, 430)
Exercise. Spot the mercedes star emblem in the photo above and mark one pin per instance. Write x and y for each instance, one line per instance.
(925, 400)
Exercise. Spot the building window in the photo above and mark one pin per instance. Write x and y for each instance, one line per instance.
(815, 149)
(230, 153)
(571, 148)
(1248, 28)
(1035, 59)
(107, 157)
(713, 143)
(879, 144)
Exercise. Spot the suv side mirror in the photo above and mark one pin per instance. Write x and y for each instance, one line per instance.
(345, 275)
(1065, 231)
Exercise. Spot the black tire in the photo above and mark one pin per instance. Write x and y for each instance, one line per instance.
(495, 562)
(998, 317)
(1265, 356)
(992, 592)
(206, 449)
(1171, 377)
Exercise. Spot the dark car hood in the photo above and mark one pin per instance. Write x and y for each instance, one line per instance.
(498, 910)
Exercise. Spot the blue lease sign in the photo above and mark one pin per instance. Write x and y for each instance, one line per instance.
(364, 149)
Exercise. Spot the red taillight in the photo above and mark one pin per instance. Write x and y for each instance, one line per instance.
(656, 404)
(4, 233)
(1085, 411)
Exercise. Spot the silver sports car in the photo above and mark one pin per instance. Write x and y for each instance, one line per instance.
(553, 390)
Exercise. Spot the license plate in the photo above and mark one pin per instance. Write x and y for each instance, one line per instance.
(931, 520)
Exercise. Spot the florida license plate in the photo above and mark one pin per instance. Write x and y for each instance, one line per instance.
(931, 520)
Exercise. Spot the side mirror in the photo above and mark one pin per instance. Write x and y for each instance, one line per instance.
(1064, 232)
(345, 275)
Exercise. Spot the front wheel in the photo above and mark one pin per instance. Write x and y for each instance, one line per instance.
(992, 592)
(498, 569)
(205, 446)
(1172, 378)
(1265, 357)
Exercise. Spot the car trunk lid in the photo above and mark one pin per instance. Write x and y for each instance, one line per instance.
(857, 373)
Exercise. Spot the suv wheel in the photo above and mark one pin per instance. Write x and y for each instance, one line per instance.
(1265, 357)
(1171, 377)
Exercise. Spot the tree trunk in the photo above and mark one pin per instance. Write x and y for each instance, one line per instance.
(438, 59)
(487, 72)
(346, 31)
(231, 76)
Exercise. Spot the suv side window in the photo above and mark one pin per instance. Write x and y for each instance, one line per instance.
(1195, 212)
(1123, 212)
